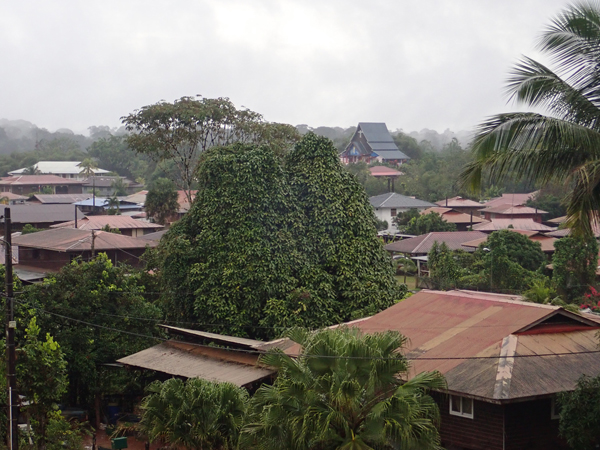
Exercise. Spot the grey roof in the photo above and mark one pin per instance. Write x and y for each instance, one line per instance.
(393, 200)
(60, 198)
(35, 213)
(376, 132)
(156, 236)
(107, 181)
(390, 154)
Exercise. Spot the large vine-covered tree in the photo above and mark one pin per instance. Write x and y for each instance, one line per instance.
(264, 248)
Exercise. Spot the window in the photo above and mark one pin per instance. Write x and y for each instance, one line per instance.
(555, 410)
(461, 406)
(393, 211)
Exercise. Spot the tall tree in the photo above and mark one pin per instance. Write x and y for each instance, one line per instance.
(562, 146)
(344, 391)
(575, 263)
(161, 201)
(428, 223)
(182, 130)
(580, 414)
(88, 167)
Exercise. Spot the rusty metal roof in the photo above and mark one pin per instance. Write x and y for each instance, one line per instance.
(515, 210)
(459, 202)
(422, 244)
(194, 361)
(43, 180)
(452, 216)
(511, 199)
(546, 242)
(36, 213)
(116, 221)
(446, 328)
(74, 240)
(214, 337)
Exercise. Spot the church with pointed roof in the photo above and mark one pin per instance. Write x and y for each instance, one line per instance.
(373, 142)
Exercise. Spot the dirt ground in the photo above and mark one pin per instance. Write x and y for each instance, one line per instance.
(103, 440)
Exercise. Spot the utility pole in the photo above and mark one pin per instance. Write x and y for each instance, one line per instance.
(93, 244)
(13, 406)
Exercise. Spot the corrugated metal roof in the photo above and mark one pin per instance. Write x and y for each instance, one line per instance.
(388, 154)
(11, 196)
(74, 240)
(43, 180)
(393, 200)
(465, 324)
(517, 224)
(422, 244)
(456, 202)
(545, 241)
(61, 198)
(193, 361)
(60, 167)
(214, 337)
(35, 213)
(116, 221)
(156, 236)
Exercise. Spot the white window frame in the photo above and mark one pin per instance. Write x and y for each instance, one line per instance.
(554, 414)
(461, 413)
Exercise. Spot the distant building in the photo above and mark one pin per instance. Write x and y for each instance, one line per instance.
(387, 206)
(373, 142)
(463, 205)
(102, 205)
(64, 169)
(28, 184)
(462, 220)
(513, 212)
(42, 216)
(104, 185)
(128, 226)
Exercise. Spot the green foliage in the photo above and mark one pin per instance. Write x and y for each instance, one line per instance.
(119, 187)
(42, 377)
(575, 262)
(161, 201)
(373, 185)
(541, 291)
(62, 433)
(561, 146)
(403, 218)
(182, 130)
(108, 229)
(88, 167)
(28, 229)
(427, 223)
(344, 391)
(104, 296)
(580, 414)
(550, 199)
(264, 246)
(195, 414)
(516, 247)
(113, 154)
(444, 270)
(114, 206)
(408, 145)
(381, 224)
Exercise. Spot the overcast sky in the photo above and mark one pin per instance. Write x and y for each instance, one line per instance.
(413, 64)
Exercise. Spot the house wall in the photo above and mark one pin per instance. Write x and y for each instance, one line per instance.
(529, 426)
(482, 432)
(32, 188)
(386, 214)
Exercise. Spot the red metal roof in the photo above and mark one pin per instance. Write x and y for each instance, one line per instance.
(451, 216)
(422, 244)
(457, 202)
(447, 329)
(515, 210)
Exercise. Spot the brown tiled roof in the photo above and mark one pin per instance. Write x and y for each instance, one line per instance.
(44, 180)
(116, 221)
(509, 209)
(517, 224)
(422, 244)
(510, 199)
(451, 216)
(73, 240)
(457, 202)
(486, 344)
(188, 360)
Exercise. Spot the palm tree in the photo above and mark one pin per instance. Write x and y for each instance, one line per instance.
(344, 391)
(197, 414)
(564, 145)
(113, 205)
(88, 166)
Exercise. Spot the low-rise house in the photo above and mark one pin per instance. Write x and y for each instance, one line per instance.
(28, 184)
(463, 205)
(102, 205)
(513, 212)
(373, 142)
(126, 225)
(517, 224)
(104, 185)
(64, 169)
(504, 361)
(386, 172)
(53, 249)
(13, 199)
(58, 199)
(462, 221)
(387, 206)
(546, 242)
(420, 245)
(511, 199)
(42, 216)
